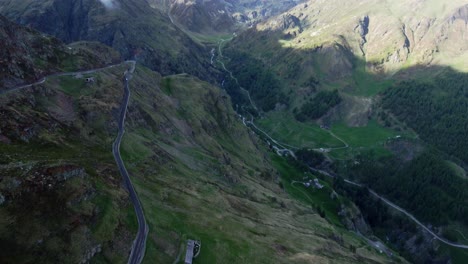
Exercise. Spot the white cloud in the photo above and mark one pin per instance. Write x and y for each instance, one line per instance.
(109, 3)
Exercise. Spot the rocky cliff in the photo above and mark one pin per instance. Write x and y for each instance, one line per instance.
(386, 36)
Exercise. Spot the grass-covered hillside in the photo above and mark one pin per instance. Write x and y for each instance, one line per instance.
(199, 172)
(354, 48)
(202, 175)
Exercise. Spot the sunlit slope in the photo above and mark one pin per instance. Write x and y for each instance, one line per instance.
(388, 35)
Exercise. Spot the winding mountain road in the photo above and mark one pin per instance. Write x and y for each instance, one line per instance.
(418, 222)
(41, 81)
(396, 207)
(139, 244)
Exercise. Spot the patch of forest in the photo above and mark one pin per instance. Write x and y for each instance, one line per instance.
(317, 106)
(254, 76)
(425, 186)
(436, 109)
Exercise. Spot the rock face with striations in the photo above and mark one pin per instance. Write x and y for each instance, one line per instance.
(386, 37)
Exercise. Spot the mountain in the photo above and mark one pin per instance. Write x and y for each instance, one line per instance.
(198, 171)
(356, 46)
(131, 27)
(379, 87)
(386, 35)
(307, 49)
(27, 55)
(269, 131)
(214, 17)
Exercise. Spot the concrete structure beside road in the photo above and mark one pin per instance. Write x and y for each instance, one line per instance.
(193, 249)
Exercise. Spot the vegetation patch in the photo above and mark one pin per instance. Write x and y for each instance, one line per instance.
(251, 74)
(292, 178)
(317, 106)
(285, 128)
(371, 135)
(445, 99)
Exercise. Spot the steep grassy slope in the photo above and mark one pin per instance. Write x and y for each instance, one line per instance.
(199, 172)
(202, 175)
(61, 197)
(60, 193)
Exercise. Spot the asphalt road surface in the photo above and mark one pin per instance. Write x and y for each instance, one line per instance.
(396, 207)
(7, 90)
(139, 244)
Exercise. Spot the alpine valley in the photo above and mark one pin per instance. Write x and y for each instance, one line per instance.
(233, 131)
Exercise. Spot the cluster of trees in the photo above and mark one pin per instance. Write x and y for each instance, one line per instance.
(436, 110)
(395, 228)
(262, 84)
(375, 212)
(238, 98)
(426, 186)
(310, 157)
(318, 105)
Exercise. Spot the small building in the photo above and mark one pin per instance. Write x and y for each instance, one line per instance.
(317, 184)
(189, 252)
(193, 249)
